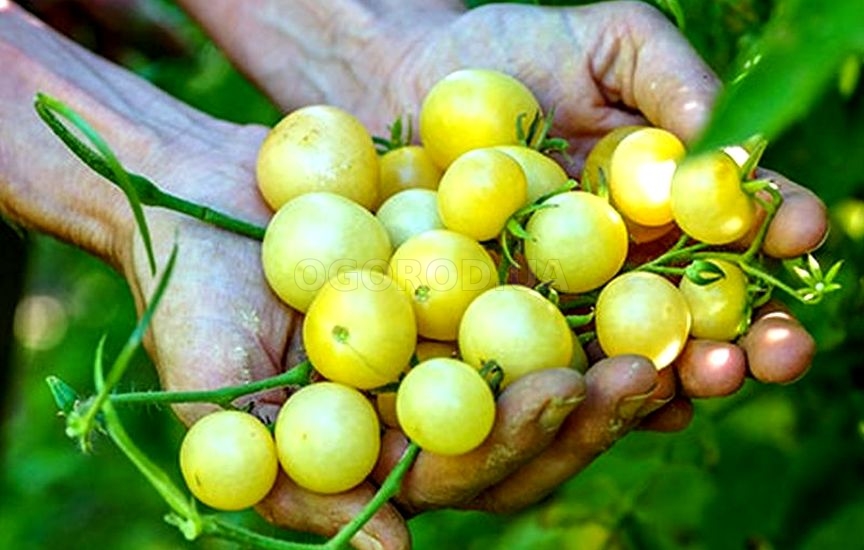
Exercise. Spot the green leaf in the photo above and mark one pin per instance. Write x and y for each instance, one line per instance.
(793, 62)
(673, 8)
(703, 272)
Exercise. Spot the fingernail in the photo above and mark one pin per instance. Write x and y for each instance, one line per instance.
(628, 407)
(556, 412)
(652, 405)
(365, 541)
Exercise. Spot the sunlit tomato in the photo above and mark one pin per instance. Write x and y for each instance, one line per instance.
(473, 108)
(598, 162)
(318, 148)
(640, 175)
(518, 328)
(445, 406)
(360, 329)
(443, 271)
(385, 402)
(228, 460)
(542, 174)
(327, 437)
(313, 237)
(479, 192)
(708, 201)
(644, 314)
(408, 213)
(408, 167)
(577, 243)
(719, 308)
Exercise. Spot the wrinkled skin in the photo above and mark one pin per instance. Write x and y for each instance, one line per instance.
(600, 66)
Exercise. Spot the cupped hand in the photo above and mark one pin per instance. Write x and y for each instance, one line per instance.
(600, 67)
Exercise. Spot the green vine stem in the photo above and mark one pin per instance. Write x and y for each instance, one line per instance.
(137, 188)
(81, 425)
(387, 491)
(297, 376)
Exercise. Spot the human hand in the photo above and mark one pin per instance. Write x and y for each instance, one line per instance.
(617, 64)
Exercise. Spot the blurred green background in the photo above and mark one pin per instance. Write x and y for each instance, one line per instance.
(771, 467)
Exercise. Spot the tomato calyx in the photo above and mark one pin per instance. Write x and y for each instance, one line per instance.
(401, 134)
(493, 374)
(536, 135)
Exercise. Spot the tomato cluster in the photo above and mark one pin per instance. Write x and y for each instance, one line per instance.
(431, 275)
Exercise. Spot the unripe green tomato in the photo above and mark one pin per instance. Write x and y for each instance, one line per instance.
(708, 202)
(479, 192)
(473, 108)
(316, 236)
(518, 328)
(644, 314)
(318, 148)
(445, 406)
(577, 244)
(327, 437)
(228, 460)
(719, 308)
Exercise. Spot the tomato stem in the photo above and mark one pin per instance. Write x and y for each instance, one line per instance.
(138, 189)
(387, 490)
(297, 376)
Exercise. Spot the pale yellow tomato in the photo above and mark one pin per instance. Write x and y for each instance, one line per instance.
(408, 213)
(542, 174)
(360, 329)
(318, 148)
(408, 167)
(479, 192)
(473, 108)
(719, 308)
(518, 328)
(443, 271)
(315, 236)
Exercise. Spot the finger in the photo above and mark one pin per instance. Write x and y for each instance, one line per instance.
(617, 390)
(707, 368)
(529, 413)
(779, 350)
(668, 81)
(801, 223)
(672, 417)
(293, 507)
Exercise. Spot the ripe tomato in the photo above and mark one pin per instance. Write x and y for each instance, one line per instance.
(327, 437)
(473, 108)
(644, 314)
(228, 460)
(542, 174)
(719, 309)
(408, 213)
(576, 244)
(385, 402)
(518, 328)
(708, 202)
(318, 148)
(315, 236)
(408, 167)
(360, 329)
(640, 175)
(445, 406)
(479, 192)
(443, 271)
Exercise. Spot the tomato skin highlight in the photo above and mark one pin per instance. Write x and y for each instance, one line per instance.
(473, 108)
